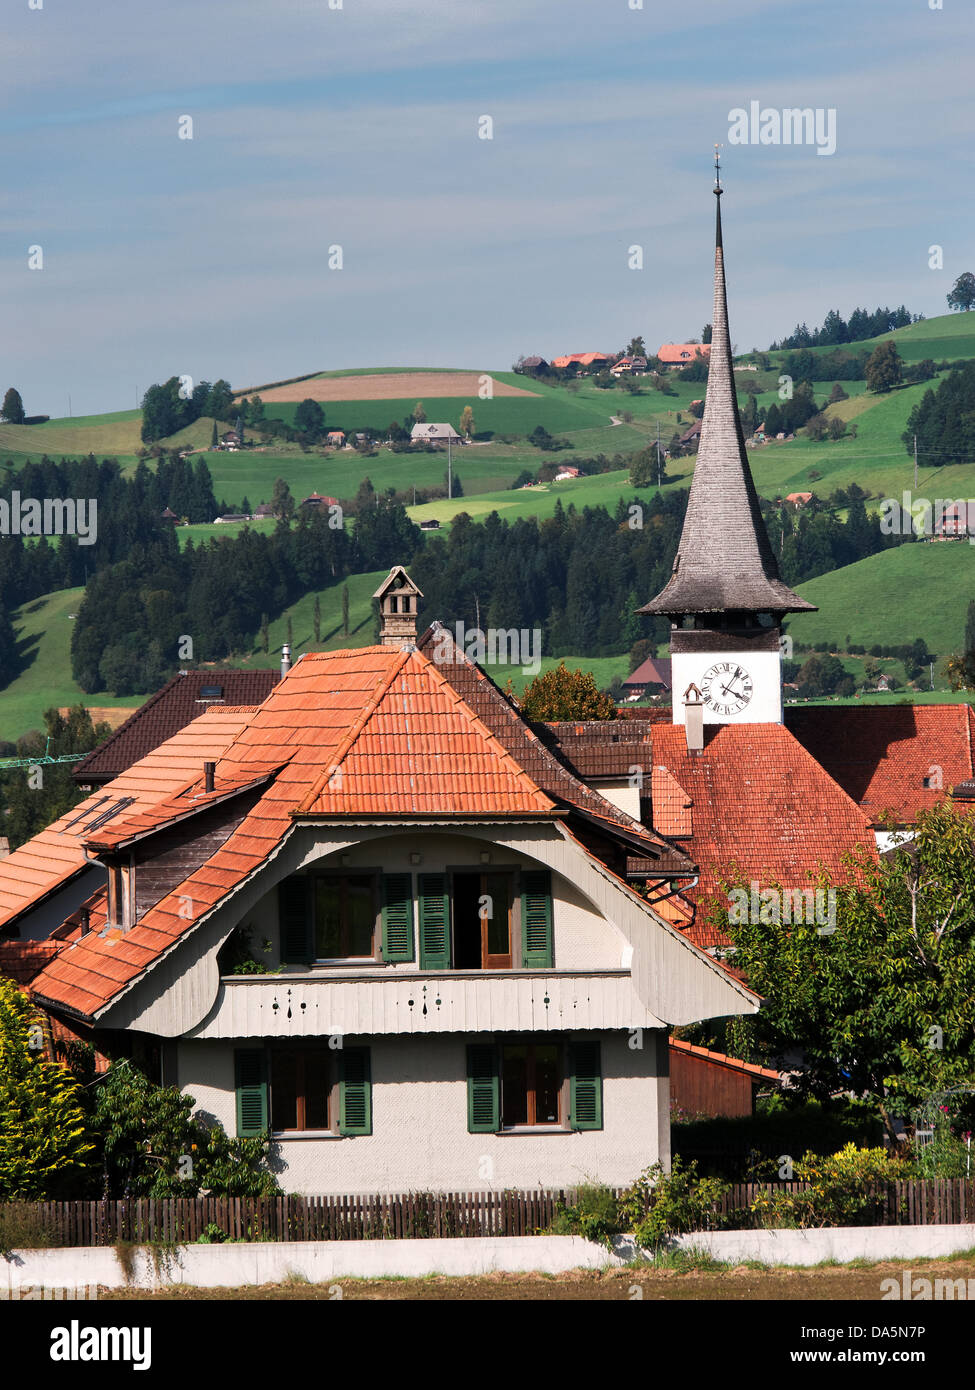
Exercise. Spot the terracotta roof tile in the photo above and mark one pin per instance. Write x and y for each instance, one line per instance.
(882, 755)
(56, 853)
(760, 804)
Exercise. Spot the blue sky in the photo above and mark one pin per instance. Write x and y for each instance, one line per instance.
(357, 126)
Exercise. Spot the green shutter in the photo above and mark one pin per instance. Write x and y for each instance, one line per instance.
(294, 918)
(434, 922)
(398, 917)
(586, 1086)
(536, 919)
(483, 1089)
(250, 1082)
(355, 1091)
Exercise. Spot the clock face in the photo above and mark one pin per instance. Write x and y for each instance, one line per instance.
(726, 687)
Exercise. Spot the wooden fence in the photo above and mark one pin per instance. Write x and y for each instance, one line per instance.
(182, 1220)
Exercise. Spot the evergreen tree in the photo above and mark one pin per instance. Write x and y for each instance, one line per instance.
(13, 407)
(317, 619)
(214, 437)
(345, 610)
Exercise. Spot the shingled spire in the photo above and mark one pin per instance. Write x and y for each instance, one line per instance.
(724, 562)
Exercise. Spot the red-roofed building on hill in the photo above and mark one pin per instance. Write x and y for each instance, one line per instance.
(678, 355)
(460, 954)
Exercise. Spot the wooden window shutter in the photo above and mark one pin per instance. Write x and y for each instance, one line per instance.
(294, 918)
(536, 919)
(398, 917)
(483, 1089)
(434, 922)
(250, 1082)
(355, 1091)
(586, 1086)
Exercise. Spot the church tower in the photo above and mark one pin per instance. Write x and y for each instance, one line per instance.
(724, 598)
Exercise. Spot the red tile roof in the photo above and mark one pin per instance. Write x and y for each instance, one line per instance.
(57, 853)
(723, 1060)
(350, 711)
(759, 804)
(881, 756)
(683, 352)
(165, 713)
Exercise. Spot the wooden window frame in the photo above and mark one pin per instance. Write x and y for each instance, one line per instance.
(375, 875)
(301, 1051)
(562, 1091)
(510, 873)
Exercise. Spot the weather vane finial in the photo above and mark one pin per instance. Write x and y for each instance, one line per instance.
(717, 169)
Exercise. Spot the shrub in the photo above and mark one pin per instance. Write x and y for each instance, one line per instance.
(660, 1205)
(23, 1227)
(846, 1189)
(595, 1215)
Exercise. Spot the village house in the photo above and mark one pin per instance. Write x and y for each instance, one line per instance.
(584, 361)
(626, 365)
(462, 964)
(428, 433)
(677, 355)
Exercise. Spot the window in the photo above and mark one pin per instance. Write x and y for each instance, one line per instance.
(530, 1084)
(481, 910)
(300, 1085)
(303, 1089)
(345, 917)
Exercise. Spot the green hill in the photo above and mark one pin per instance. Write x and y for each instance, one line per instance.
(44, 629)
(918, 590)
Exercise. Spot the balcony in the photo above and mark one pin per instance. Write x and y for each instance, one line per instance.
(399, 1001)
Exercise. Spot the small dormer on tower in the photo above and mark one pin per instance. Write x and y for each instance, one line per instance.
(397, 596)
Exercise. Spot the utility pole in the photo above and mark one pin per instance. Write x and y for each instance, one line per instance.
(931, 672)
(915, 463)
(450, 489)
(69, 403)
(658, 453)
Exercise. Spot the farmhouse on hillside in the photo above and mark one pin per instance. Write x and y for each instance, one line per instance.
(677, 355)
(433, 433)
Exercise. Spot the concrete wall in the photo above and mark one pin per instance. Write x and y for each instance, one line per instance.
(840, 1243)
(265, 1262)
(420, 1140)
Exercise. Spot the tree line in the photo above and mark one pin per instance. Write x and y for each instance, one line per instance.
(860, 325)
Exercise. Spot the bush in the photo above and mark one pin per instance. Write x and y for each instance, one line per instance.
(595, 1215)
(660, 1205)
(22, 1227)
(846, 1189)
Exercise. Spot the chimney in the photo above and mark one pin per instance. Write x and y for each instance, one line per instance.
(285, 660)
(209, 769)
(397, 597)
(693, 719)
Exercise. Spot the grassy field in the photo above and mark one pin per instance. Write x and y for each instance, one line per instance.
(918, 590)
(44, 630)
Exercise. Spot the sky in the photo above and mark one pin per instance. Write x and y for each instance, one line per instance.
(357, 124)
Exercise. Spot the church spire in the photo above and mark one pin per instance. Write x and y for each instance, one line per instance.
(724, 562)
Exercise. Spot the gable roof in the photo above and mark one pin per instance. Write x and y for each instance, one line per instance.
(721, 1059)
(372, 732)
(173, 707)
(653, 671)
(56, 854)
(880, 755)
(724, 562)
(758, 803)
(683, 352)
